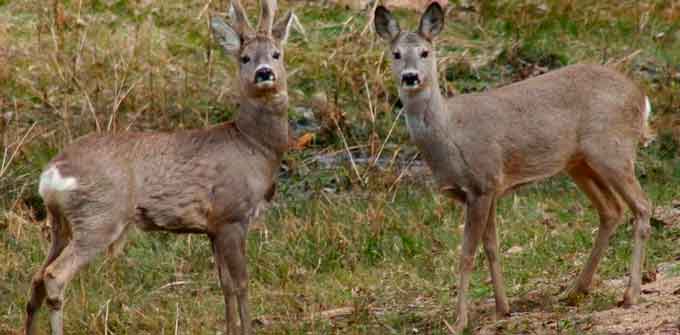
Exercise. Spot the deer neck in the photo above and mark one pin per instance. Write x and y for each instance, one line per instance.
(265, 124)
(423, 109)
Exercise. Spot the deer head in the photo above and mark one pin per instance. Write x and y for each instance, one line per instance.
(414, 65)
(259, 51)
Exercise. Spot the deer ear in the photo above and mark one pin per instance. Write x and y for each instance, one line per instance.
(432, 22)
(225, 35)
(386, 25)
(281, 29)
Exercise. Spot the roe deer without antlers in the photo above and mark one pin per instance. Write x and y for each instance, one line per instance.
(209, 181)
(585, 120)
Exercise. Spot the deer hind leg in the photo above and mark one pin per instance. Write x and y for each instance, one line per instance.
(489, 239)
(229, 245)
(619, 172)
(60, 238)
(610, 211)
(56, 277)
(94, 236)
(632, 193)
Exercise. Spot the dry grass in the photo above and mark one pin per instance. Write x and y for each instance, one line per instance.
(347, 249)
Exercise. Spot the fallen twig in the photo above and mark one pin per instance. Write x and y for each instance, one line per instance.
(7, 161)
(349, 152)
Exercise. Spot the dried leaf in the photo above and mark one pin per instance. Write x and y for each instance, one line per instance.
(303, 141)
(666, 216)
(649, 276)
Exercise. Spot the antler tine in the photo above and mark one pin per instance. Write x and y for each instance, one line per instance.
(242, 23)
(267, 17)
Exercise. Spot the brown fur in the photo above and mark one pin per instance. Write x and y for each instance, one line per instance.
(585, 120)
(529, 130)
(211, 181)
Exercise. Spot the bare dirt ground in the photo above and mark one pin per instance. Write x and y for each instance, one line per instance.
(658, 313)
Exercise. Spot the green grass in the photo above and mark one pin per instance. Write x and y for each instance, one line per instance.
(394, 262)
(388, 250)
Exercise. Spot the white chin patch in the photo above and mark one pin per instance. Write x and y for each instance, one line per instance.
(409, 87)
(51, 180)
(265, 84)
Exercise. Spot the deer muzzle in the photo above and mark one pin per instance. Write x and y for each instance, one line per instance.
(264, 76)
(410, 80)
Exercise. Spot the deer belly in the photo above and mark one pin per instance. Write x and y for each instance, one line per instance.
(190, 218)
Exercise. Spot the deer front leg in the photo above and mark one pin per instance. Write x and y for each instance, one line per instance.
(478, 208)
(230, 253)
(239, 272)
(227, 285)
(492, 256)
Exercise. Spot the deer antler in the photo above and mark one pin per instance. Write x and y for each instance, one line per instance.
(267, 17)
(242, 23)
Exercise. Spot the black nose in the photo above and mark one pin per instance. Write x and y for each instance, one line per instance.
(264, 74)
(410, 79)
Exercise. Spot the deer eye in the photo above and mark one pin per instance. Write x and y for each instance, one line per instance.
(424, 54)
(276, 55)
(397, 55)
(245, 59)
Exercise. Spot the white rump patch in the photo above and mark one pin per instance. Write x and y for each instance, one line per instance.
(647, 133)
(51, 180)
(648, 110)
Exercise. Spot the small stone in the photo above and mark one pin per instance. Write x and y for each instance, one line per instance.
(515, 250)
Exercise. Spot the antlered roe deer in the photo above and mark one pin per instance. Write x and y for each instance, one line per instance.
(585, 120)
(210, 181)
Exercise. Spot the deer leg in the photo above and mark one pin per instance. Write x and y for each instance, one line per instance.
(610, 212)
(60, 238)
(90, 236)
(227, 286)
(230, 251)
(478, 209)
(491, 250)
(239, 272)
(623, 181)
(637, 201)
(57, 275)
(35, 301)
